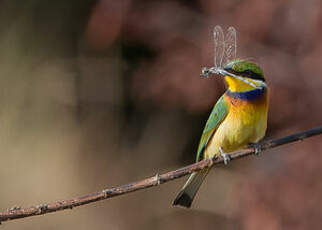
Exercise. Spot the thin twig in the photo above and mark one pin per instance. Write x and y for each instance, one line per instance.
(18, 212)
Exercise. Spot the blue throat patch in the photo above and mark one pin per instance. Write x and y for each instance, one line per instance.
(247, 95)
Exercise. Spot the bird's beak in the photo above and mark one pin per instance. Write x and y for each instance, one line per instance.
(224, 73)
(220, 71)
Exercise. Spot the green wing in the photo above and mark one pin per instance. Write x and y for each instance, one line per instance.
(218, 114)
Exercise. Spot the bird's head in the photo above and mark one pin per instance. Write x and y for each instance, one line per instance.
(250, 71)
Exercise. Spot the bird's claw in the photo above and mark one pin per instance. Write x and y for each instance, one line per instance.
(257, 148)
(225, 156)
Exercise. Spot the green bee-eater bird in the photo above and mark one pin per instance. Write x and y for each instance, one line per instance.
(238, 119)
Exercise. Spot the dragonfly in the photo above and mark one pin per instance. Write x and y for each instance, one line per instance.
(225, 50)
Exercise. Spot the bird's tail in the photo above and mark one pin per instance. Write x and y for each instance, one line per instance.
(191, 187)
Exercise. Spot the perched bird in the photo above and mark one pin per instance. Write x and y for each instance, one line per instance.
(238, 119)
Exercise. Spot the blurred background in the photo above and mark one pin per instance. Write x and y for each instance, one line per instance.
(96, 94)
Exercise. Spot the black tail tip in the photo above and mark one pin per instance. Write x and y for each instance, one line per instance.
(183, 199)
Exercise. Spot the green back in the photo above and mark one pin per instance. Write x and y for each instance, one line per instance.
(218, 114)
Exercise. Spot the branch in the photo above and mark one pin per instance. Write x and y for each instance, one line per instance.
(17, 212)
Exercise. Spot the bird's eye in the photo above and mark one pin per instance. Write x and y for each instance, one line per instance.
(250, 74)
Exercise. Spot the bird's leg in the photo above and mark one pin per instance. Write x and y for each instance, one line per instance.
(225, 156)
(257, 147)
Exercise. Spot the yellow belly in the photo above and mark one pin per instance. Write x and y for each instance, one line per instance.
(245, 123)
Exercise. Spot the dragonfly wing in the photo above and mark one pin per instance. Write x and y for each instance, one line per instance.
(219, 46)
(230, 45)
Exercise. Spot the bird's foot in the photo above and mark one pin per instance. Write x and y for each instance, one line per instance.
(257, 147)
(225, 156)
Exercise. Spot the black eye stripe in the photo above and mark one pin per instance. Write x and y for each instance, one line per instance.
(252, 75)
(247, 73)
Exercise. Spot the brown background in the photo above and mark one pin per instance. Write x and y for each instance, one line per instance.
(95, 94)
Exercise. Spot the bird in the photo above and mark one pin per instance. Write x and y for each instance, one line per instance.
(238, 119)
